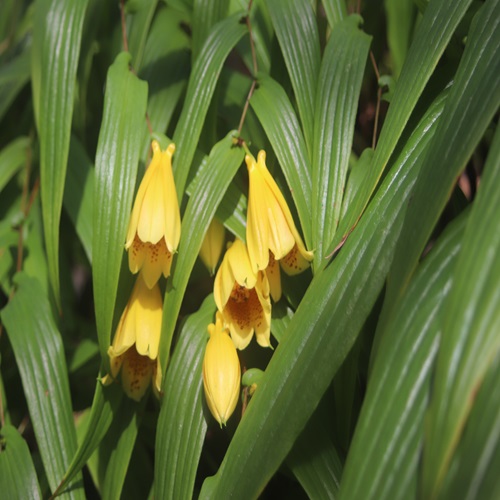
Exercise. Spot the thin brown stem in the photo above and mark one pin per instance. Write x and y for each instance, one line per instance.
(245, 108)
(124, 26)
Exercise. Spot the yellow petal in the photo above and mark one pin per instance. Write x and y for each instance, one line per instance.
(136, 373)
(274, 277)
(136, 255)
(212, 245)
(296, 261)
(171, 204)
(221, 373)
(158, 260)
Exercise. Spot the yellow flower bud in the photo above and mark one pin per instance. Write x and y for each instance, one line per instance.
(212, 245)
(221, 372)
(155, 224)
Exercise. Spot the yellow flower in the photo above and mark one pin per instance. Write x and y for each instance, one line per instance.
(155, 224)
(242, 296)
(134, 352)
(271, 232)
(212, 245)
(221, 372)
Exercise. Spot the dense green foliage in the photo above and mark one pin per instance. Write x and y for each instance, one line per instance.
(379, 120)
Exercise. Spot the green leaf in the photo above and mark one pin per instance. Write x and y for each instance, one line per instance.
(474, 99)
(13, 157)
(116, 169)
(214, 178)
(474, 470)
(222, 39)
(17, 473)
(471, 327)
(40, 358)
(339, 85)
(297, 32)
(181, 425)
(13, 77)
(105, 404)
(387, 443)
(335, 11)
(320, 334)
(431, 38)
(57, 36)
(79, 194)
(206, 13)
(277, 116)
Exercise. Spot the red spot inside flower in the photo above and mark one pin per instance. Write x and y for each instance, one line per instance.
(244, 307)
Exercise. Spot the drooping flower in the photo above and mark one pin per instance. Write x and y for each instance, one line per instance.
(212, 245)
(134, 352)
(155, 224)
(221, 372)
(242, 297)
(271, 232)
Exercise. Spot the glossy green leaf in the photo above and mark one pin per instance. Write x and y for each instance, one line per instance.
(431, 38)
(474, 470)
(181, 424)
(116, 448)
(471, 327)
(12, 158)
(297, 32)
(206, 13)
(104, 406)
(339, 85)
(320, 335)
(40, 358)
(57, 36)
(232, 211)
(13, 77)
(222, 39)
(17, 473)
(79, 194)
(138, 29)
(214, 178)
(277, 116)
(474, 99)
(117, 158)
(335, 11)
(388, 440)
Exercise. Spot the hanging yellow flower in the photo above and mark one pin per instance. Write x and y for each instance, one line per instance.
(155, 224)
(134, 352)
(242, 296)
(221, 372)
(271, 232)
(212, 245)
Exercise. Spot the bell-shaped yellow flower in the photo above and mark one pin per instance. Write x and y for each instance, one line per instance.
(155, 224)
(212, 245)
(221, 372)
(242, 296)
(271, 232)
(134, 352)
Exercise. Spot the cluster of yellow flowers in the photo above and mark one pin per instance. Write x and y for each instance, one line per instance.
(245, 282)
(247, 279)
(152, 238)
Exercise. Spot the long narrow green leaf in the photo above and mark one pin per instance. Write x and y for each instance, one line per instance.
(40, 358)
(387, 444)
(222, 39)
(214, 178)
(275, 112)
(57, 33)
(337, 99)
(12, 159)
(320, 334)
(335, 11)
(181, 424)
(474, 99)
(433, 34)
(297, 31)
(474, 471)
(206, 13)
(471, 329)
(116, 169)
(13, 77)
(79, 194)
(105, 404)
(138, 30)
(17, 473)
